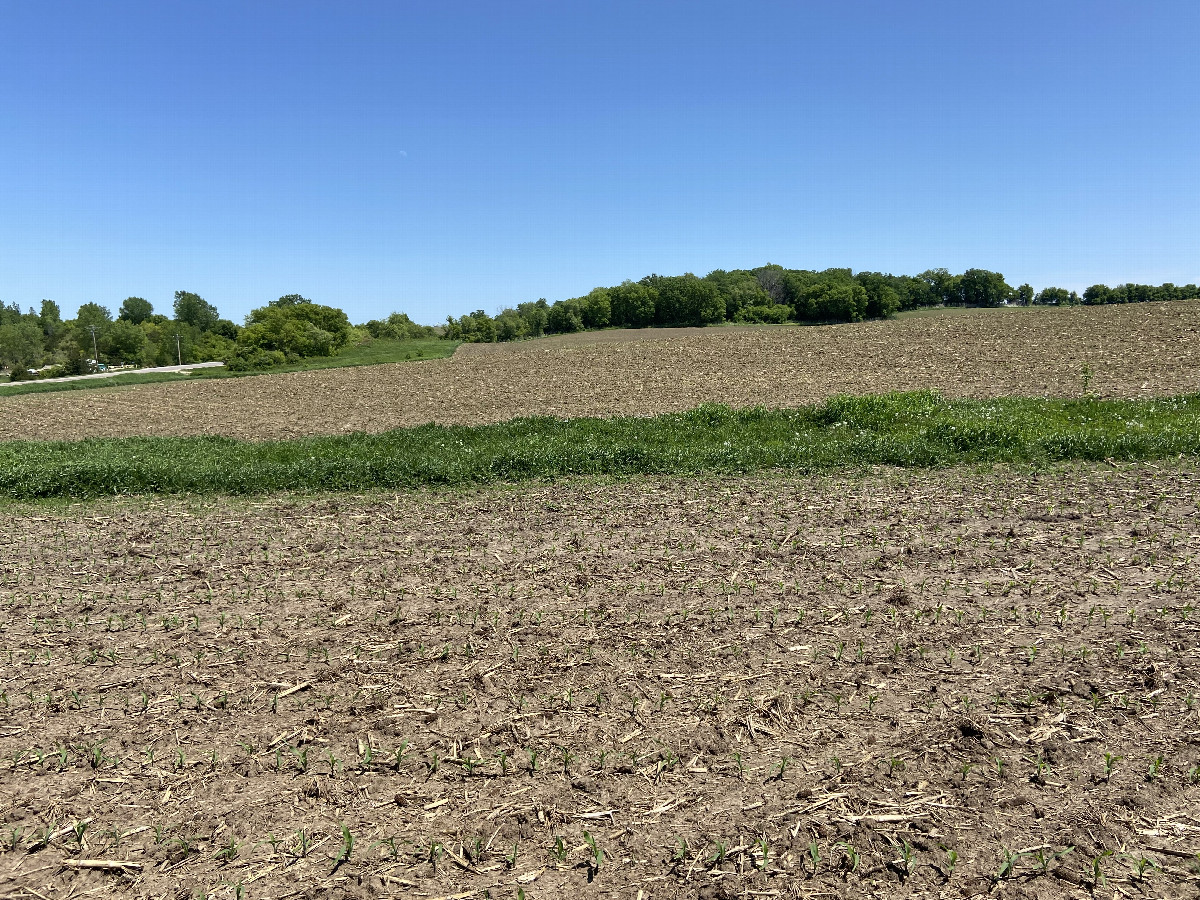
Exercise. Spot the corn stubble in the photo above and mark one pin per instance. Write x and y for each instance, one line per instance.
(897, 683)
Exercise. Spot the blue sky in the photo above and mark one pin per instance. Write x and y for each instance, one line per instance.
(439, 157)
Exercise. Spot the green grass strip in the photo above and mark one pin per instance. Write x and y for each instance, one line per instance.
(910, 430)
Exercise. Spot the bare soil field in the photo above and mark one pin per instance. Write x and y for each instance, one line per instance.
(959, 683)
(1113, 351)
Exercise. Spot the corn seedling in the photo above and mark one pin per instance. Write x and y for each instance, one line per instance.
(597, 855)
(1110, 763)
(1008, 863)
(1155, 770)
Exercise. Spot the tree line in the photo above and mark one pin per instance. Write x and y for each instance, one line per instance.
(773, 294)
(293, 327)
(285, 330)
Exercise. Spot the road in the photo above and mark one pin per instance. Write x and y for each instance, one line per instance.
(187, 368)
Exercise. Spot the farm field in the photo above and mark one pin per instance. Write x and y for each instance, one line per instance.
(957, 683)
(1143, 350)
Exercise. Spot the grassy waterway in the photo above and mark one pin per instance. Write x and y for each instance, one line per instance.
(919, 429)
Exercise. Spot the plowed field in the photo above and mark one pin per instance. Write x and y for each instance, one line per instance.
(946, 684)
(1113, 351)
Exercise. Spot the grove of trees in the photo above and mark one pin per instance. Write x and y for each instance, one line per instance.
(773, 294)
(285, 330)
(135, 336)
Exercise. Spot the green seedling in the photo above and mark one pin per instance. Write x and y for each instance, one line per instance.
(597, 855)
(1155, 770)
(347, 847)
(851, 857)
(951, 862)
(764, 849)
(1008, 863)
(229, 852)
(1110, 763)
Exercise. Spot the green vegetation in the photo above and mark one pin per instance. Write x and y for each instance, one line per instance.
(137, 336)
(289, 330)
(285, 335)
(913, 430)
(773, 294)
(370, 352)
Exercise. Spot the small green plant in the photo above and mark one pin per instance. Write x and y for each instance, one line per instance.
(850, 857)
(1155, 770)
(347, 847)
(1110, 763)
(559, 850)
(229, 851)
(1008, 862)
(1044, 859)
(597, 862)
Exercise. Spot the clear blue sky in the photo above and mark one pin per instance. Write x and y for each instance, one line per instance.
(438, 157)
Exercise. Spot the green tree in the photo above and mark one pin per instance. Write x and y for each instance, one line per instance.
(943, 287)
(1097, 295)
(136, 310)
(192, 309)
(980, 287)
(534, 314)
(510, 326)
(633, 304)
(297, 330)
(687, 300)
(475, 328)
(883, 300)
(398, 327)
(564, 317)
(123, 342)
(1024, 295)
(93, 314)
(21, 344)
(289, 300)
(1053, 296)
(50, 316)
(596, 308)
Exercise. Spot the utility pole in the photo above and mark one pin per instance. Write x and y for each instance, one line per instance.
(95, 351)
(178, 352)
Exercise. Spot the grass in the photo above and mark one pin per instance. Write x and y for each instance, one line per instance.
(371, 353)
(908, 430)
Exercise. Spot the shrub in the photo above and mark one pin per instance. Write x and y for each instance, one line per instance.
(775, 313)
(295, 327)
(253, 360)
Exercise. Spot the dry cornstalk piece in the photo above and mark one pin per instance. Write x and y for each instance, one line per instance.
(109, 864)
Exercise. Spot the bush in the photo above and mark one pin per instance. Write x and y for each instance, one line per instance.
(300, 328)
(773, 314)
(254, 360)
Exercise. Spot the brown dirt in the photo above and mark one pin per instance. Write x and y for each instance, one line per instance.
(902, 664)
(1132, 351)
